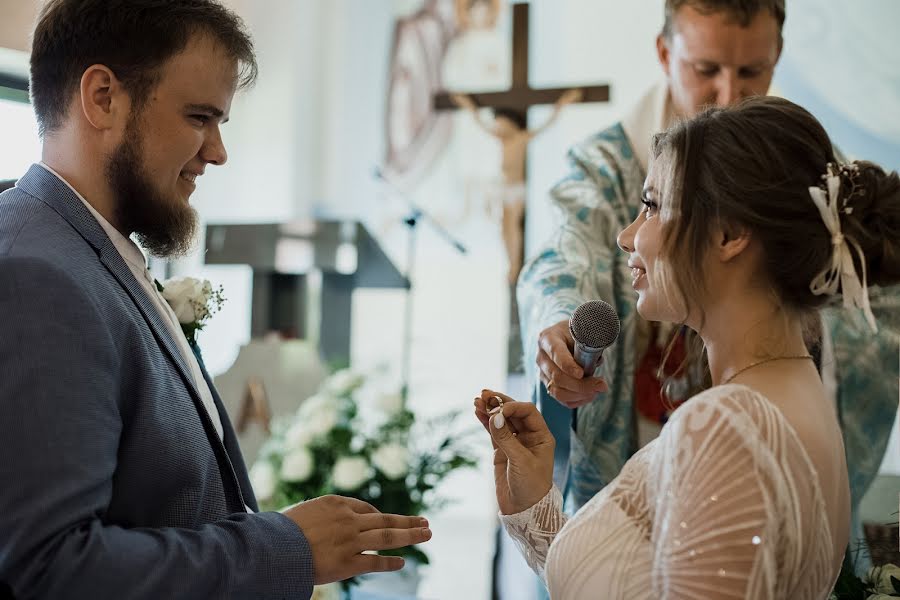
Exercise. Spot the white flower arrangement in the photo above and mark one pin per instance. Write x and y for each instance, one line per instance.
(392, 459)
(325, 447)
(350, 473)
(193, 301)
(885, 581)
(331, 591)
(297, 465)
(881, 582)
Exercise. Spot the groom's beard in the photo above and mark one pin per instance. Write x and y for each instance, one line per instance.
(165, 226)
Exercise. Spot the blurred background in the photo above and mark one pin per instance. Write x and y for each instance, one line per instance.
(357, 225)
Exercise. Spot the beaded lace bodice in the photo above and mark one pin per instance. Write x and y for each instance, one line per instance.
(726, 503)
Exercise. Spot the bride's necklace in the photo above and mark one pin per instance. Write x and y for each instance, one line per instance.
(761, 362)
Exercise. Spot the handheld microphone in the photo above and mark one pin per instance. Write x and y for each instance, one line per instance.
(595, 327)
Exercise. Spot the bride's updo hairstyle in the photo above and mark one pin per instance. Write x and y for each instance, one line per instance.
(749, 168)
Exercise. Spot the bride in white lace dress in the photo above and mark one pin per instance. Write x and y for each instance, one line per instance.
(748, 227)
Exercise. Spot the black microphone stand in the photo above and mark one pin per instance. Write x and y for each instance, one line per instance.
(411, 220)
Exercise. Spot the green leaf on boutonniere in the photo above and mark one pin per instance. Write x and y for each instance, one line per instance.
(190, 331)
(159, 286)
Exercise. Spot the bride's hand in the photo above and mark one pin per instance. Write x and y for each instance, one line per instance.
(523, 451)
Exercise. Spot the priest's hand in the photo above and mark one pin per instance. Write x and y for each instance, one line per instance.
(523, 450)
(340, 529)
(564, 378)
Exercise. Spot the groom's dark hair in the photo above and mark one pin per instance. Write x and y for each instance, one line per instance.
(133, 38)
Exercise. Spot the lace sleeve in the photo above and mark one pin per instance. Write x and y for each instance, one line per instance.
(533, 529)
(718, 523)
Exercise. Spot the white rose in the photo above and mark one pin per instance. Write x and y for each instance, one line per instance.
(881, 578)
(343, 382)
(298, 435)
(316, 403)
(264, 480)
(322, 422)
(350, 472)
(188, 298)
(392, 460)
(297, 465)
(390, 404)
(332, 591)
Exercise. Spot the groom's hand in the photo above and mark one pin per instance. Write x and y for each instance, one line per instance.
(340, 529)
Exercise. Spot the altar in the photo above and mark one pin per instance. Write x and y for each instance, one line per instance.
(304, 275)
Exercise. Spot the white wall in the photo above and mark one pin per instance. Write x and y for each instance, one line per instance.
(274, 168)
(17, 22)
(588, 42)
(301, 134)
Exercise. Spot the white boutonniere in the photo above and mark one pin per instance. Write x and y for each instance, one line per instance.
(193, 301)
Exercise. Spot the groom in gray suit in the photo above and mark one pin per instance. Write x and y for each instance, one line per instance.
(122, 475)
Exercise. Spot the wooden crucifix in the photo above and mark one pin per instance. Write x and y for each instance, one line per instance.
(521, 96)
(511, 128)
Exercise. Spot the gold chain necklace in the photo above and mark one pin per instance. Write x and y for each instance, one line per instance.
(761, 362)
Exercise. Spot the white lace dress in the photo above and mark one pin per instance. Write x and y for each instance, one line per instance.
(725, 503)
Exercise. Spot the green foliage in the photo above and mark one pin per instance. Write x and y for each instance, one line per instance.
(407, 457)
(878, 582)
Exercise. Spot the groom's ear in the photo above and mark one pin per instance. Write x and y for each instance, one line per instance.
(102, 100)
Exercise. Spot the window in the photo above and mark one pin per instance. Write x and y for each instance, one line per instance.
(19, 142)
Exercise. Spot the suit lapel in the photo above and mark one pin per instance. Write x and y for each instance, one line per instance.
(116, 265)
(232, 447)
(48, 188)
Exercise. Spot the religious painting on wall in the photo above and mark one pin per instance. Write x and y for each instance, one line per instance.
(415, 132)
(477, 58)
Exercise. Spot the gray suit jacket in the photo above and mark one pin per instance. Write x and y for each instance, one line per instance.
(115, 483)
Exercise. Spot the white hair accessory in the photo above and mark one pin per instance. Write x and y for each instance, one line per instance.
(841, 271)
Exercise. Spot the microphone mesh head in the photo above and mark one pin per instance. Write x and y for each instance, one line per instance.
(595, 324)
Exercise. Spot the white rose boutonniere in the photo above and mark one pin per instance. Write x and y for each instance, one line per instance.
(193, 301)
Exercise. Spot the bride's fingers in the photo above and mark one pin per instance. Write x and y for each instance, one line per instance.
(489, 397)
(524, 417)
(483, 415)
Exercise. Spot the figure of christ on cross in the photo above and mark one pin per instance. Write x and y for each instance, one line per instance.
(517, 100)
(510, 127)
